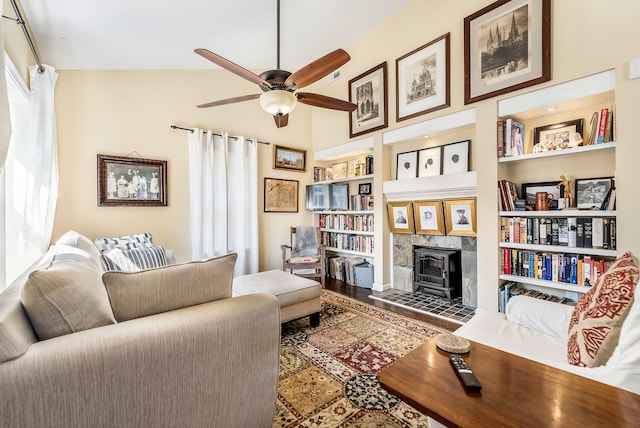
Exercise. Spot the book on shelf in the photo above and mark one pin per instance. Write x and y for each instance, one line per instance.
(500, 142)
(512, 139)
(508, 195)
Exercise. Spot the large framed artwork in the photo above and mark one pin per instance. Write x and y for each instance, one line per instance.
(422, 79)
(369, 92)
(280, 196)
(290, 159)
(507, 46)
(125, 181)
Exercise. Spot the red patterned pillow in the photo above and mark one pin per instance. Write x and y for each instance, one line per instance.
(596, 321)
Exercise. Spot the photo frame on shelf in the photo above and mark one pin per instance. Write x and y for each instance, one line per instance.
(406, 165)
(134, 182)
(401, 217)
(497, 65)
(429, 217)
(280, 196)
(430, 162)
(369, 92)
(364, 189)
(455, 157)
(422, 79)
(460, 216)
(592, 192)
(529, 191)
(338, 171)
(289, 159)
(558, 136)
(340, 196)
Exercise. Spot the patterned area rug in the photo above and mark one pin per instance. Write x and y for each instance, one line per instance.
(328, 374)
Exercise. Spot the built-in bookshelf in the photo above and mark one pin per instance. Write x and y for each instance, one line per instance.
(562, 262)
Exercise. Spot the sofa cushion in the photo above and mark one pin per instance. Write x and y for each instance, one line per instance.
(67, 295)
(547, 317)
(598, 316)
(124, 242)
(147, 292)
(134, 259)
(78, 240)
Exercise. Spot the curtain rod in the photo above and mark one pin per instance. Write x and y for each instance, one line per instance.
(219, 135)
(21, 23)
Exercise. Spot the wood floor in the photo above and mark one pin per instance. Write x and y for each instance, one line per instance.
(362, 294)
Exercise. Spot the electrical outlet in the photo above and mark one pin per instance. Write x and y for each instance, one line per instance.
(634, 68)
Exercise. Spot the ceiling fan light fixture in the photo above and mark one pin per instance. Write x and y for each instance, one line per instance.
(278, 102)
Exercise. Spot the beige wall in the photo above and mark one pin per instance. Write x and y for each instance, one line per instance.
(121, 112)
(587, 38)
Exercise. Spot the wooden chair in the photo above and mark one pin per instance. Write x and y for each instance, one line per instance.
(315, 262)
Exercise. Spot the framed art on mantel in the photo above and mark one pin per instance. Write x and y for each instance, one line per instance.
(507, 46)
(136, 182)
(369, 92)
(422, 79)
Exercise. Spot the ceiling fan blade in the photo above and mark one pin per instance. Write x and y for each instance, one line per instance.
(318, 69)
(232, 67)
(281, 120)
(325, 101)
(229, 101)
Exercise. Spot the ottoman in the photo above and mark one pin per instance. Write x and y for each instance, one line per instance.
(298, 296)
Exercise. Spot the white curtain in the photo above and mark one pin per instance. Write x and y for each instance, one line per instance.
(223, 182)
(5, 121)
(31, 175)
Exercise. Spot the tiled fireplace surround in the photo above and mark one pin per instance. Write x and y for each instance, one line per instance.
(403, 261)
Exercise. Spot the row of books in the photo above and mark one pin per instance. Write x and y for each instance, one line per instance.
(557, 267)
(580, 232)
(510, 289)
(347, 222)
(347, 169)
(508, 196)
(510, 138)
(343, 268)
(343, 241)
(361, 202)
(602, 126)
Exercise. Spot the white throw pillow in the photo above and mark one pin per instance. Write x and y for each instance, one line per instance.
(546, 317)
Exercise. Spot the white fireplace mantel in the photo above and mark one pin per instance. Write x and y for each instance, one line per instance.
(460, 185)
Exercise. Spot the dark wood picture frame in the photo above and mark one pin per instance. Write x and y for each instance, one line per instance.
(364, 188)
(369, 92)
(529, 191)
(592, 192)
(289, 159)
(422, 79)
(492, 68)
(280, 196)
(563, 130)
(134, 182)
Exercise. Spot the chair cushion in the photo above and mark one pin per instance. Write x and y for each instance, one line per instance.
(304, 259)
(147, 292)
(67, 295)
(598, 316)
(134, 259)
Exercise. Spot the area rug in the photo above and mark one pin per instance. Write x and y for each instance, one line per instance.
(328, 374)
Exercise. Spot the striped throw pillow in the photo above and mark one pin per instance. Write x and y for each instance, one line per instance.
(135, 259)
(124, 242)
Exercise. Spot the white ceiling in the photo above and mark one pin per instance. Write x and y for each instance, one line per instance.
(158, 34)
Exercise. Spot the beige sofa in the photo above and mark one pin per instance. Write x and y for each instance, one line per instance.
(165, 347)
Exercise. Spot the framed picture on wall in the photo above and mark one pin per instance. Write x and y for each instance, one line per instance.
(400, 217)
(406, 165)
(460, 216)
(290, 159)
(422, 79)
(430, 162)
(125, 181)
(280, 196)
(429, 217)
(507, 46)
(455, 157)
(369, 92)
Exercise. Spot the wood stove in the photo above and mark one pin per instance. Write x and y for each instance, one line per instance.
(437, 271)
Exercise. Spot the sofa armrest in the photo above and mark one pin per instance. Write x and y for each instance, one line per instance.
(550, 318)
(214, 364)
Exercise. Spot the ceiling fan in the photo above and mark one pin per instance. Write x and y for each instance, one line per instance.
(279, 96)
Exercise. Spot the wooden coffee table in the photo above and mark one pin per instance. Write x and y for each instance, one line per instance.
(516, 392)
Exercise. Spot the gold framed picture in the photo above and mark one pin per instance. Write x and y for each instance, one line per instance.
(289, 159)
(460, 216)
(280, 196)
(401, 217)
(429, 217)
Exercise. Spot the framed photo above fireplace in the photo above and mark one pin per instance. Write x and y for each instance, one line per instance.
(401, 217)
(429, 217)
(460, 216)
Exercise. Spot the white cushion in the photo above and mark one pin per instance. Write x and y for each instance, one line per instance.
(546, 317)
(78, 240)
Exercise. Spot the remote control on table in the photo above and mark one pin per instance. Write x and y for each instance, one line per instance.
(462, 368)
